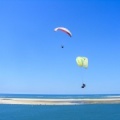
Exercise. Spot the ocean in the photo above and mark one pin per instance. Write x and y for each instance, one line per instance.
(59, 112)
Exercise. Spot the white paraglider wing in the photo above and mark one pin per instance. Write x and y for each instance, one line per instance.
(64, 30)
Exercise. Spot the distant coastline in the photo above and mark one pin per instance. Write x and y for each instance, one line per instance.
(28, 101)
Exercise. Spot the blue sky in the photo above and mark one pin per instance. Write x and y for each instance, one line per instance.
(31, 58)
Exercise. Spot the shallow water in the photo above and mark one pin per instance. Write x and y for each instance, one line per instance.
(74, 112)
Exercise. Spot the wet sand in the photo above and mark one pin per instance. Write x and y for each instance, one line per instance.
(58, 101)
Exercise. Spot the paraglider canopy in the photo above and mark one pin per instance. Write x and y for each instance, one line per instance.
(82, 62)
(63, 29)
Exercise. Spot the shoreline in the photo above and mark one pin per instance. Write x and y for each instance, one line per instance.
(28, 101)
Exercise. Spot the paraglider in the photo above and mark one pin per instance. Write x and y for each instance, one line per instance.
(82, 62)
(83, 85)
(63, 29)
(62, 46)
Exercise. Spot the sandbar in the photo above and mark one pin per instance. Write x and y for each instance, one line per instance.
(27, 101)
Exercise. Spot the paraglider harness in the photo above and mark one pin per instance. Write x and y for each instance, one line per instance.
(83, 85)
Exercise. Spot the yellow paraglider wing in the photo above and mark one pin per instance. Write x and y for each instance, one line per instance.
(85, 62)
(79, 61)
(82, 62)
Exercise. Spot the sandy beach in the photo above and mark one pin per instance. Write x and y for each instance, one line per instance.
(58, 101)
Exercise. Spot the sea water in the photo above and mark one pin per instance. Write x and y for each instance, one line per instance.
(56, 96)
(59, 112)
